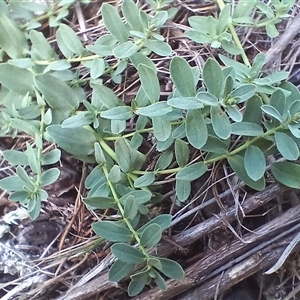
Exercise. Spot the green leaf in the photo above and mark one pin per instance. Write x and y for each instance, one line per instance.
(145, 180)
(171, 269)
(12, 39)
(278, 101)
(32, 159)
(15, 157)
(258, 64)
(237, 164)
(106, 96)
(59, 65)
(252, 113)
(127, 157)
(41, 47)
(272, 111)
(185, 103)
(154, 110)
(199, 23)
(246, 129)
(76, 141)
(215, 145)
(151, 236)
(213, 77)
(220, 122)
(100, 202)
(287, 173)
(224, 19)
(207, 99)
(18, 80)
(161, 283)
(122, 149)
(117, 113)
(198, 37)
(68, 42)
(131, 13)
(182, 76)
(125, 50)
(114, 174)
(271, 30)
(158, 47)
(113, 23)
(4, 8)
(164, 160)
(34, 208)
(12, 183)
(136, 140)
(25, 178)
(244, 92)
(22, 63)
(162, 128)
(117, 126)
(230, 47)
(150, 83)
(264, 8)
(120, 270)
(50, 176)
(241, 70)
(130, 208)
(234, 113)
(139, 58)
(140, 196)
(179, 132)
(192, 172)
(163, 220)
(286, 146)
(195, 128)
(79, 120)
(112, 232)
(62, 97)
(243, 8)
(255, 163)
(136, 286)
(183, 189)
(294, 128)
(18, 196)
(97, 68)
(99, 155)
(182, 152)
(164, 145)
(127, 253)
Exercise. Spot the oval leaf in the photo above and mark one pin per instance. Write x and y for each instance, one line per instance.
(127, 253)
(255, 163)
(195, 128)
(151, 236)
(192, 172)
(287, 173)
(112, 232)
(286, 146)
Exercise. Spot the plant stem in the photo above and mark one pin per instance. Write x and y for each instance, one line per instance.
(122, 212)
(235, 37)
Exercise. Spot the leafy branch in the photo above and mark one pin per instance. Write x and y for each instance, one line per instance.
(43, 96)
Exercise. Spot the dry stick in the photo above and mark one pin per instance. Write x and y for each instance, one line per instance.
(274, 52)
(185, 238)
(232, 264)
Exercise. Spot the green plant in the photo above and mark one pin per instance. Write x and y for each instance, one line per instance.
(44, 97)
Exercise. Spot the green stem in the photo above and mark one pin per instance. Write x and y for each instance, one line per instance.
(40, 149)
(122, 212)
(235, 37)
